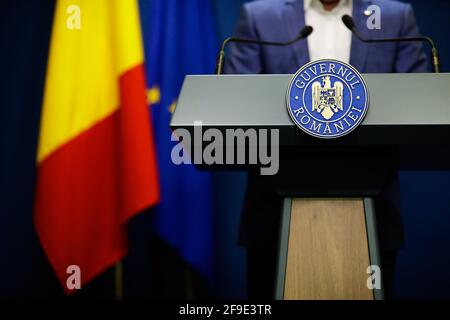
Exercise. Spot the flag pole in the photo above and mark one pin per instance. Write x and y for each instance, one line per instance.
(118, 280)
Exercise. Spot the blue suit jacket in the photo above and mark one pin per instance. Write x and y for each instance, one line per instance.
(282, 20)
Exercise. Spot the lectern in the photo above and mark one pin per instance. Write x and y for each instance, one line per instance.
(328, 238)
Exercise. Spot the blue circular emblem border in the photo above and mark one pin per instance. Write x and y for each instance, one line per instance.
(343, 133)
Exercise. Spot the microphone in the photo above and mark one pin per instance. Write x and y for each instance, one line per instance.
(304, 33)
(350, 24)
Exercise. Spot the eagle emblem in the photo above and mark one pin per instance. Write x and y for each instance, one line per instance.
(327, 99)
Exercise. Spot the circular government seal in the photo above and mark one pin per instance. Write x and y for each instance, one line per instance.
(327, 98)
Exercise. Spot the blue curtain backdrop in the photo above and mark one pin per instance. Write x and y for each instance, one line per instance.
(24, 35)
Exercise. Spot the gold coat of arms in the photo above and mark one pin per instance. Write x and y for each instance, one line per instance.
(327, 100)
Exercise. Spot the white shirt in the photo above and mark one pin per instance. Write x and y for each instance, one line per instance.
(330, 38)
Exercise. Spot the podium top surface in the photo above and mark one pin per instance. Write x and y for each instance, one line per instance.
(260, 100)
(409, 113)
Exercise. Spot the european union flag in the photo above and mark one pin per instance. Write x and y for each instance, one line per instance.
(179, 39)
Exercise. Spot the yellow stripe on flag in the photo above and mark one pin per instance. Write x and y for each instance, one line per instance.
(84, 66)
(127, 35)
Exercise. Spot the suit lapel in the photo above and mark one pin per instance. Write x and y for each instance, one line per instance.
(359, 49)
(295, 22)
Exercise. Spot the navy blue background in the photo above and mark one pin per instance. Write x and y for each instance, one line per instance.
(24, 36)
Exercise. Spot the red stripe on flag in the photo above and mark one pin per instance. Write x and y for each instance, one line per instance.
(137, 145)
(88, 188)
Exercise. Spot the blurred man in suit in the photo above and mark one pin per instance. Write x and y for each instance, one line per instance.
(282, 20)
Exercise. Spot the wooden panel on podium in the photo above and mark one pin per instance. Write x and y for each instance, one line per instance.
(328, 252)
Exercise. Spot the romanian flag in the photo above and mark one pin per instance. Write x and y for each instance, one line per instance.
(96, 161)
